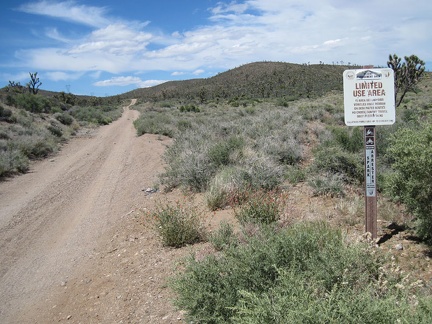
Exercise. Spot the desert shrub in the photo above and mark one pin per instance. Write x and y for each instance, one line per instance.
(188, 165)
(295, 299)
(154, 122)
(6, 114)
(178, 224)
(99, 115)
(189, 108)
(411, 182)
(12, 160)
(303, 266)
(282, 148)
(260, 207)
(224, 237)
(349, 138)
(220, 153)
(262, 145)
(55, 130)
(229, 186)
(327, 184)
(64, 118)
(295, 174)
(337, 161)
(33, 103)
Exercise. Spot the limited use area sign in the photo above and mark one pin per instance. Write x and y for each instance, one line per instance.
(369, 97)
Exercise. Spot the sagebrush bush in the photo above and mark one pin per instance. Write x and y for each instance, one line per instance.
(262, 145)
(64, 118)
(228, 186)
(12, 160)
(177, 224)
(154, 122)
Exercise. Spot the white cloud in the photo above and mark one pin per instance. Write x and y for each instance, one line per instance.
(198, 72)
(62, 76)
(53, 33)
(238, 32)
(128, 80)
(68, 10)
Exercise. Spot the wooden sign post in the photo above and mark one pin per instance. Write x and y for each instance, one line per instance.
(369, 101)
(370, 180)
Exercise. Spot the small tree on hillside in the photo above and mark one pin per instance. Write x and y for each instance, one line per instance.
(407, 74)
(34, 83)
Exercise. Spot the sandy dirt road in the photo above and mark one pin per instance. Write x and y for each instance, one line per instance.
(72, 244)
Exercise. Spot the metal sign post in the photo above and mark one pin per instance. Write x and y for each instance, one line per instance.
(369, 101)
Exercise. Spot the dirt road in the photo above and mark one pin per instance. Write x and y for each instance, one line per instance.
(72, 243)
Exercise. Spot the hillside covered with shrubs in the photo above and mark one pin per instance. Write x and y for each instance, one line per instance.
(245, 152)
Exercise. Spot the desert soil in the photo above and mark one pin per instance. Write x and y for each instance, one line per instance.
(75, 246)
(73, 243)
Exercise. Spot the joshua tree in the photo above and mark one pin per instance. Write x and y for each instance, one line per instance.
(34, 83)
(407, 74)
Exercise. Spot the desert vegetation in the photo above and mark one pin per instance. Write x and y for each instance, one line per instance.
(34, 123)
(245, 140)
(245, 150)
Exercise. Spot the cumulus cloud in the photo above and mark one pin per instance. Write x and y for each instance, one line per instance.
(237, 32)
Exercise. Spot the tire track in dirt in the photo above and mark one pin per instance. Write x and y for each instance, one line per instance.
(52, 217)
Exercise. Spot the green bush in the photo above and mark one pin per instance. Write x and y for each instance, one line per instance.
(349, 138)
(335, 160)
(297, 299)
(177, 225)
(224, 237)
(189, 108)
(155, 123)
(306, 270)
(220, 153)
(229, 186)
(260, 207)
(56, 131)
(327, 185)
(5, 114)
(99, 115)
(64, 118)
(411, 183)
(12, 160)
(33, 103)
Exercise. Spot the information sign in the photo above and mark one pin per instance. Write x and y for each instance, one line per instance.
(369, 97)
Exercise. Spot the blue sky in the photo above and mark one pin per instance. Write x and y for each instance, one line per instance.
(110, 47)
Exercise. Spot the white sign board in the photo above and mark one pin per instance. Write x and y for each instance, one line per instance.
(369, 97)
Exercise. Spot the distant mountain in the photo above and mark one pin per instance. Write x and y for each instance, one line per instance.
(254, 80)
